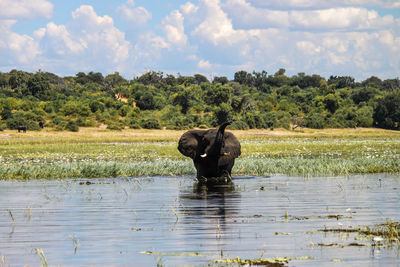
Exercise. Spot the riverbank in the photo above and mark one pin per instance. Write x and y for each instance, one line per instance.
(97, 152)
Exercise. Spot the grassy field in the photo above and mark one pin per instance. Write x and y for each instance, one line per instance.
(96, 152)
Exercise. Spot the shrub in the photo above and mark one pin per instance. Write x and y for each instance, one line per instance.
(133, 124)
(72, 126)
(270, 120)
(150, 124)
(239, 125)
(114, 126)
(316, 121)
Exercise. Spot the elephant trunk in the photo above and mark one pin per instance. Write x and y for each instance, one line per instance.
(220, 138)
(215, 149)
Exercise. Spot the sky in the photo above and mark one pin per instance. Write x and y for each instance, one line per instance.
(358, 38)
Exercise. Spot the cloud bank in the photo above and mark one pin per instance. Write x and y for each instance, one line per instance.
(212, 37)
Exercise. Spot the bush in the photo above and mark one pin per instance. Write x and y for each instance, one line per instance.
(270, 120)
(239, 125)
(316, 121)
(21, 118)
(150, 124)
(85, 122)
(72, 126)
(133, 124)
(114, 126)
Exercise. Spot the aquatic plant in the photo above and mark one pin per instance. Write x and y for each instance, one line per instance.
(40, 252)
(133, 153)
(387, 232)
(269, 262)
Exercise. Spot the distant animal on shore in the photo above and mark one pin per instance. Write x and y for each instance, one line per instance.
(41, 124)
(22, 128)
(213, 151)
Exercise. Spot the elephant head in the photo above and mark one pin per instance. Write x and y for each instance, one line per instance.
(213, 151)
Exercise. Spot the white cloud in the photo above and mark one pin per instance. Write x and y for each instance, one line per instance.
(340, 18)
(16, 48)
(309, 48)
(204, 64)
(338, 37)
(245, 15)
(189, 8)
(136, 15)
(174, 29)
(57, 40)
(318, 4)
(88, 42)
(25, 9)
(216, 26)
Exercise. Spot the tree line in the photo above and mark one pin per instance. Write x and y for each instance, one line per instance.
(156, 100)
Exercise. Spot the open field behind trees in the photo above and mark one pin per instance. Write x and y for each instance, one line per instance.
(97, 152)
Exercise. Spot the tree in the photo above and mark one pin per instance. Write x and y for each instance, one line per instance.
(363, 94)
(297, 122)
(185, 98)
(332, 102)
(222, 80)
(37, 85)
(315, 120)
(391, 84)
(201, 79)
(18, 79)
(303, 81)
(95, 77)
(223, 113)
(217, 94)
(150, 77)
(341, 81)
(387, 112)
(243, 77)
(373, 81)
(113, 80)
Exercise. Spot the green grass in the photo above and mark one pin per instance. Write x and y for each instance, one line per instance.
(98, 153)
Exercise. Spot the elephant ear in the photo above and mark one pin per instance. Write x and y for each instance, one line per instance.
(189, 141)
(232, 149)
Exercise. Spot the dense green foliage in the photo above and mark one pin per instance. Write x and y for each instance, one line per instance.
(155, 100)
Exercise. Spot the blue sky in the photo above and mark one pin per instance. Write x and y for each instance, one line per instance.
(359, 38)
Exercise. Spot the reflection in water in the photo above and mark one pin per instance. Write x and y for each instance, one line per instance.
(210, 203)
(167, 220)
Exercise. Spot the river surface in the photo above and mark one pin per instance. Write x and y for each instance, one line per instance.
(169, 220)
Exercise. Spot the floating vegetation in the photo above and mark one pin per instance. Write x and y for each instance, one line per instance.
(269, 262)
(388, 232)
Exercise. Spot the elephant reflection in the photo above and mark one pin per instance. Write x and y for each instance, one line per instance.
(213, 152)
(205, 207)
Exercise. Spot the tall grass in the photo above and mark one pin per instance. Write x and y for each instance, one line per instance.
(97, 169)
(134, 153)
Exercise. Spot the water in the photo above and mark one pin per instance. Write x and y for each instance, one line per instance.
(168, 220)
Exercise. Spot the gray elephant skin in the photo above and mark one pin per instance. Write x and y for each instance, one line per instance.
(213, 151)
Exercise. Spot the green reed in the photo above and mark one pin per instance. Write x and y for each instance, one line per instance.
(30, 158)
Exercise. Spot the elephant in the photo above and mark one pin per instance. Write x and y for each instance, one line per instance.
(22, 128)
(213, 152)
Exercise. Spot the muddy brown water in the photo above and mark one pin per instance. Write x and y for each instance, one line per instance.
(168, 220)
